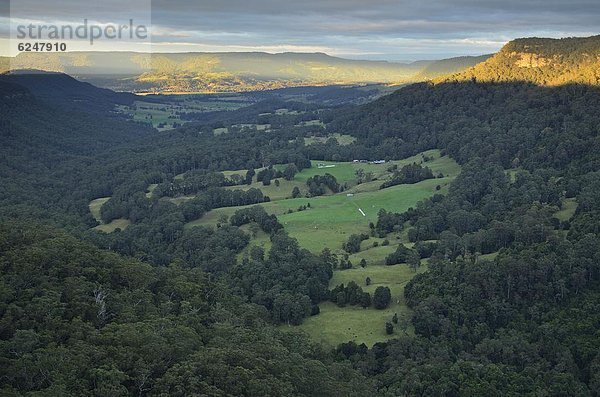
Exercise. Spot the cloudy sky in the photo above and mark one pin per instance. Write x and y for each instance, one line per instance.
(364, 29)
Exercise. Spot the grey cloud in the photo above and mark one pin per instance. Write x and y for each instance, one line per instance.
(388, 28)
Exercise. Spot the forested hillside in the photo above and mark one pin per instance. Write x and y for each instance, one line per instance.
(47, 152)
(63, 91)
(80, 321)
(511, 294)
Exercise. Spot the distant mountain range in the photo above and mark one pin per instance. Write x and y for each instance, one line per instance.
(225, 72)
(535, 60)
(448, 66)
(540, 61)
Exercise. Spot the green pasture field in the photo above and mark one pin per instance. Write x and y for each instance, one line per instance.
(330, 220)
(95, 206)
(336, 325)
(341, 139)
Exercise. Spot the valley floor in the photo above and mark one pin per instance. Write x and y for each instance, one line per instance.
(327, 222)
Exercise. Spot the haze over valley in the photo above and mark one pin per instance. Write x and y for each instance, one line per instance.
(229, 72)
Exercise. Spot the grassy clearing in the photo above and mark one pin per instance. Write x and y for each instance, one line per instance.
(374, 255)
(261, 239)
(114, 225)
(211, 218)
(95, 206)
(228, 174)
(281, 192)
(331, 219)
(512, 173)
(165, 114)
(313, 123)
(278, 208)
(242, 173)
(286, 111)
(341, 139)
(161, 115)
(213, 106)
(241, 127)
(489, 257)
(345, 172)
(335, 324)
(569, 206)
(179, 200)
(220, 131)
(150, 189)
(258, 127)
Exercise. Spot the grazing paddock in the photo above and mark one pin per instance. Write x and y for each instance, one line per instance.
(335, 325)
(330, 220)
(345, 172)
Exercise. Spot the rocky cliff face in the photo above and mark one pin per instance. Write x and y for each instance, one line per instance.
(540, 61)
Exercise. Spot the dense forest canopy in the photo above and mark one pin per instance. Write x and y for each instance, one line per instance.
(508, 304)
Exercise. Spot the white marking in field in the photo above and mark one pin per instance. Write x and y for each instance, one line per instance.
(326, 166)
(362, 212)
